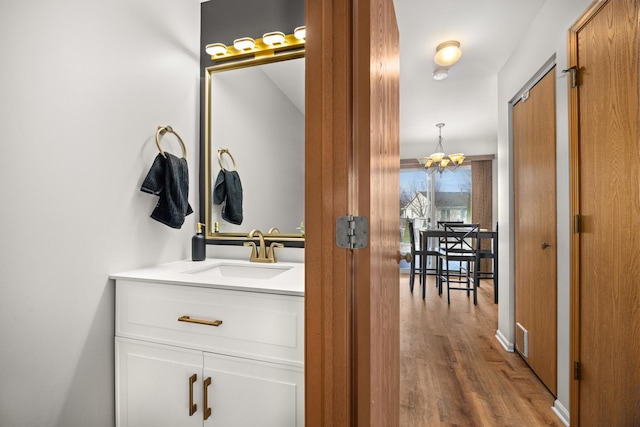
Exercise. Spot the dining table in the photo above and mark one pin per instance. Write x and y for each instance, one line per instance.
(429, 239)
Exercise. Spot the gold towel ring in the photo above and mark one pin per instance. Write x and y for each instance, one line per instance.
(222, 151)
(164, 129)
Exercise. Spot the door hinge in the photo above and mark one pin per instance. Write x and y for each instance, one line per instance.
(576, 370)
(352, 232)
(576, 224)
(574, 75)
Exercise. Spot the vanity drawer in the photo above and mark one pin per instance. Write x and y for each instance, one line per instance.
(254, 325)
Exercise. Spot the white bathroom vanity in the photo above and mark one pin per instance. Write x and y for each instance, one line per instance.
(212, 343)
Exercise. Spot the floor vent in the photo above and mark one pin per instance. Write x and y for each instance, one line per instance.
(522, 340)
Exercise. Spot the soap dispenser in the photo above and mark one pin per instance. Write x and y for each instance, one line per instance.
(198, 244)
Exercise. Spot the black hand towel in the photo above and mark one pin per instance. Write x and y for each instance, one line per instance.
(169, 179)
(228, 192)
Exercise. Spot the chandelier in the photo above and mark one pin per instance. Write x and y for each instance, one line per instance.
(437, 161)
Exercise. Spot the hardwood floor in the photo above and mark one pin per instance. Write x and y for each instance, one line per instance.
(454, 372)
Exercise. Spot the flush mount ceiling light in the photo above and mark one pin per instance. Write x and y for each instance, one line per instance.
(300, 33)
(440, 74)
(273, 38)
(447, 53)
(244, 43)
(215, 49)
(437, 162)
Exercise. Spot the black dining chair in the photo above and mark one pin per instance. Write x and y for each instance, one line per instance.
(488, 249)
(420, 252)
(458, 248)
(416, 256)
(443, 240)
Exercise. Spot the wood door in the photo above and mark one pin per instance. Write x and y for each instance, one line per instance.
(352, 167)
(605, 193)
(534, 148)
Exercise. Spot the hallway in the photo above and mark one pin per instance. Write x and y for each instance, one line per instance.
(453, 371)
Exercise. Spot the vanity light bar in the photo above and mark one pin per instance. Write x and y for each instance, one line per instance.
(268, 45)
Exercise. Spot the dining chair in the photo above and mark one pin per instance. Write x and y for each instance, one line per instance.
(420, 252)
(416, 257)
(443, 241)
(458, 246)
(488, 249)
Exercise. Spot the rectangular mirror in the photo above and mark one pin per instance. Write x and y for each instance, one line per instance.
(255, 111)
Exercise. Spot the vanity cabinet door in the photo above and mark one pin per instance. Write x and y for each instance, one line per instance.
(153, 384)
(246, 392)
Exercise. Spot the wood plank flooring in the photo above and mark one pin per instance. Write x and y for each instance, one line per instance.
(454, 372)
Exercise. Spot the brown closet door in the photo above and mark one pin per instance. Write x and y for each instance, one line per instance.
(606, 194)
(534, 151)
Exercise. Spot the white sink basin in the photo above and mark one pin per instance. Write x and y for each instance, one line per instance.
(245, 271)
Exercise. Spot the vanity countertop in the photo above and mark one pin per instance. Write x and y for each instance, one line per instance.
(284, 278)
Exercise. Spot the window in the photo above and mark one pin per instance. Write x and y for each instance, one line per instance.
(427, 199)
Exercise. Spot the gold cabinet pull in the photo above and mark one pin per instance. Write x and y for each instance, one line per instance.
(215, 323)
(192, 406)
(206, 413)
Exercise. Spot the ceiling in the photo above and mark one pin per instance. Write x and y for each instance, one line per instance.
(466, 101)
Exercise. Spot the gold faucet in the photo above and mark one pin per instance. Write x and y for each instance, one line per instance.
(259, 254)
(272, 251)
(254, 254)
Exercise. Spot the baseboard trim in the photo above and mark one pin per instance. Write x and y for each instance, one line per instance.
(504, 341)
(561, 412)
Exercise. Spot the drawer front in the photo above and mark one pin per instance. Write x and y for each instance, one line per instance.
(255, 325)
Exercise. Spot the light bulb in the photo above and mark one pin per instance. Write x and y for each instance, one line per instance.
(447, 53)
(275, 37)
(300, 33)
(215, 49)
(440, 74)
(437, 157)
(244, 43)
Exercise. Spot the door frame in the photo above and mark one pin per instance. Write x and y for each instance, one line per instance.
(574, 185)
(328, 153)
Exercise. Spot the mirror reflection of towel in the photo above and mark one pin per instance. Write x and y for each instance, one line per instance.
(228, 192)
(169, 179)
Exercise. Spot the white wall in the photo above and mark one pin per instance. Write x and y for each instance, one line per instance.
(84, 86)
(546, 36)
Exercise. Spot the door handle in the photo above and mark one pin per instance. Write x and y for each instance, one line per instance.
(192, 406)
(206, 412)
(545, 245)
(407, 257)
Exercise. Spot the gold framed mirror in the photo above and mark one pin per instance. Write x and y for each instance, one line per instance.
(254, 123)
